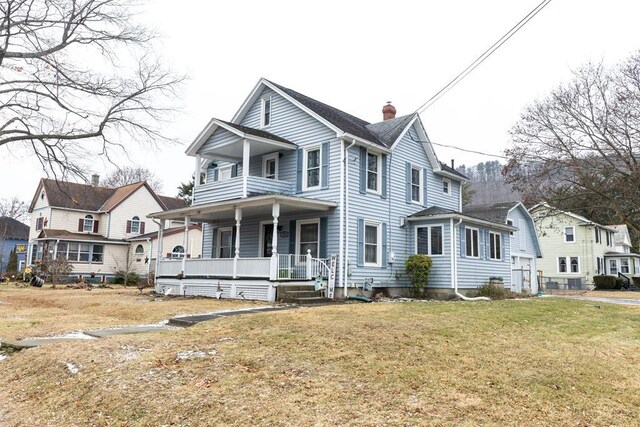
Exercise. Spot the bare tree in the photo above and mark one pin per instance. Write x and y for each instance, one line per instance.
(13, 208)
(129, 175)
(578, 149)
(75, 76)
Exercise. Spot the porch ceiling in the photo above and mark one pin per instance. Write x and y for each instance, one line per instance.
(252, 207)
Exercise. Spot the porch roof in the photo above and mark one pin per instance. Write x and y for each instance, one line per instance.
(56, 234)
(436, 212)
(260, 206)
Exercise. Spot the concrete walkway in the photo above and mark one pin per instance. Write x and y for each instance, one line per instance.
(172, 324)
(620, 301)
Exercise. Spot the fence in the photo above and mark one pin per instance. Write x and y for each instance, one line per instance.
(563, 285)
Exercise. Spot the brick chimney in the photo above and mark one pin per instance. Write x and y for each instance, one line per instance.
(388, 111)
(95, 179)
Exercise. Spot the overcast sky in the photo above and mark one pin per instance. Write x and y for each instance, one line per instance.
(356, 55)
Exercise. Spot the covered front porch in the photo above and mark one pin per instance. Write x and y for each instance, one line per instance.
(263, 240)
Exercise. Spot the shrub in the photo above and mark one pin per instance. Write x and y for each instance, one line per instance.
(493, 291)
(125, 278)
(636, 281)
(607, 282)
(417, 268)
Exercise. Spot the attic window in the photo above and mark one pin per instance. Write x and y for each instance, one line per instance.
(42, 196)
(265, 117)
(446, 186)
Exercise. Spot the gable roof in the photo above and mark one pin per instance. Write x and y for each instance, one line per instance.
(496, 212)
(436, 212)
(621, 236)
(13, 229)
(85, 197)
(583, 220)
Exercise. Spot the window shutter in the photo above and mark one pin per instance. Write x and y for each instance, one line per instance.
(363, 170)
(234, 170)
(325, 165)
(299, 172)
(215, 174)
(292, 236)
(407, 177)
(323, 237)
(142, 227)
(95, 225)
(384, 176)
(384, 245)
(360, 250)
(463, 241)
(129, 226)
(214, 238)
(425, 171)
(81, 224)
(503, 246)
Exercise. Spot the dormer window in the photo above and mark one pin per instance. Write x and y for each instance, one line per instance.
(88, 224)
(265, 117)
(135, 226)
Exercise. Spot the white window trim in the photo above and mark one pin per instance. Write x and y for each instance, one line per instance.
(608, 266)
(378, 189)
(428, 227)
(510, 222)
(628, 266)
(568, 261)
(263, 102)
(87, 218)
(301, 222)
(178, 255)
(219, 241)
(448, 181)
(421, 184)
(265, 159)
(564, 233)
(137, 222)
(499, 237)
(477, 242)
(304, 167)
(378, 226)
(224, 168)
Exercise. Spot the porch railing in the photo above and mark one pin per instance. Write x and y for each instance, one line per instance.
(301, 267)
(235, 188)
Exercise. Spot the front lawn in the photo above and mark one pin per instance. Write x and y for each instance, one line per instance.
(542, 361)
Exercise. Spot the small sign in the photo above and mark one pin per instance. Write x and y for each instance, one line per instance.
(21, 249)
(331, 286)
(284, 234)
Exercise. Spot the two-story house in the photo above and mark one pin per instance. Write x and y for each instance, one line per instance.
(622, 259)
(574, 247)
(295, 188)
(99, 229)
(523, 243)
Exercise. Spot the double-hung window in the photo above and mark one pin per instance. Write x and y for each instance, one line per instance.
(609, 240)
(88, 224)
(495, 246)
(309, 237)
(471, 242)
(624, 266)
(568, 264)
(135, 225)
(446, 186)
(270, 166)
(97, 253)
(225, 243)
(312, 168)
(265, 118)
(373, 172)
(598, 235)
(569, 234)
(224, 172)
(429, 240)
(39, 223)
(416, 184)
(372, 244)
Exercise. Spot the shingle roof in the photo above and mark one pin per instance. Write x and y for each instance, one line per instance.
(173, 202)
(13, 229)
(257, 132)
(166, 232)
(344, 121)
(433, 211)
(47, 233)
(389, 130)
(496, 212)
(449, 169)
(71, 195)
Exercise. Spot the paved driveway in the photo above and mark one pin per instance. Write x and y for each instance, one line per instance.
(598, 299)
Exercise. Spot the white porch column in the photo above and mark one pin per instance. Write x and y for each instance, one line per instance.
(196, 178)
(237, 254)
(160, 246)
(275, 212)
(185, 243)
(246, 156)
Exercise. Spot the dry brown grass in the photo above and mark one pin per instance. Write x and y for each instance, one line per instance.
(536, 362)
(28, 312)
(613, 294)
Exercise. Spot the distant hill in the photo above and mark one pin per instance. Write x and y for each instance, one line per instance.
(487, 185)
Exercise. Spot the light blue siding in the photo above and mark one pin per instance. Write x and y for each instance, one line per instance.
(440, 274)
(474, 272)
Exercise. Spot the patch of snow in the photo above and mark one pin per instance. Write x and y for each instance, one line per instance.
(194, 354)
(3, 356)
(265, 307)
(71, 335)
(72, 368)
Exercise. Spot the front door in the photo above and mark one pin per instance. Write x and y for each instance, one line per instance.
(267, 240)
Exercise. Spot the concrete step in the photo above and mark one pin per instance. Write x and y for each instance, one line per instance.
(312, 300)
(301, 294)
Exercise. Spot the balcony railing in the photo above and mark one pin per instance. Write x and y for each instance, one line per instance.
(239, 187)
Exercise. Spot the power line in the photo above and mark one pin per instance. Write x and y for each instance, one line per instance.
(469, 151)
(480, 59)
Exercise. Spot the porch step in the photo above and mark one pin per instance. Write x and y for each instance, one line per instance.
(312, 300)
(301, 294)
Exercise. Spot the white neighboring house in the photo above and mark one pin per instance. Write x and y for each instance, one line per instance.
(93, 226)
(622, 259)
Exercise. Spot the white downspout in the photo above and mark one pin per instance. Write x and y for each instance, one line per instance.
(454, 272)
(341, 238)
(346, 213)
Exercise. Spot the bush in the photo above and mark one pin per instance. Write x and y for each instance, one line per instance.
(608, 282)
(636, 281)
(417, 268)
(125, 278)
(493, 291)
